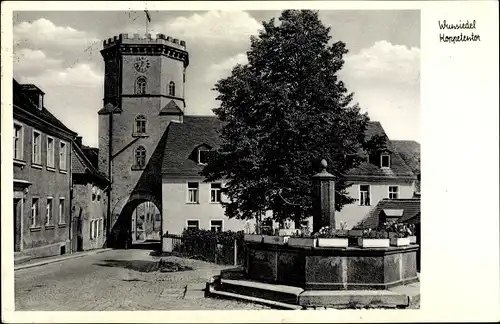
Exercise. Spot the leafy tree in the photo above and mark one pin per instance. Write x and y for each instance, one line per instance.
(283, 111)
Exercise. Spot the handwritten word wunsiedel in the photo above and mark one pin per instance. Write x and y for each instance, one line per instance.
(460, 25)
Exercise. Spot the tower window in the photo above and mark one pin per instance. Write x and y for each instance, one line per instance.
(140, 85)
(171, 88)
(140, 124)
(140, 157)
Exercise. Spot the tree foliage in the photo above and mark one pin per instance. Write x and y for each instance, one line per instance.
(283, 112)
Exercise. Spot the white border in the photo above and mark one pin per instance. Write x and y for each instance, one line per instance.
(459, 92)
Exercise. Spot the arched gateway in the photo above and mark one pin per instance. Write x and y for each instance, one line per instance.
(138, 101)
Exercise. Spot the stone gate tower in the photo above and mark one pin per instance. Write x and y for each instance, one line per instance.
(143, 92)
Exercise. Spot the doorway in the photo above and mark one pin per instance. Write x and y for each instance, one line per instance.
(18, 214)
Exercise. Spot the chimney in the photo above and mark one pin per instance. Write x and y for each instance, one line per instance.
(78, 141)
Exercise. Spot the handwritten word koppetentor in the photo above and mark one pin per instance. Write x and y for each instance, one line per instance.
(456, 26)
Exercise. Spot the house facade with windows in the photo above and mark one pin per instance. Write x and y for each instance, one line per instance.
(89, 200)
(187, 200)
(42, 176)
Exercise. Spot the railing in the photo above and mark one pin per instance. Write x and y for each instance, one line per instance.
(209, 250)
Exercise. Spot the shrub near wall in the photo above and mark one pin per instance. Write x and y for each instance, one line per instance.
(210, 246)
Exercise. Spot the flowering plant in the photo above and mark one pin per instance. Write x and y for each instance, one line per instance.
(373, 234)
(399, 229)
(327, 232)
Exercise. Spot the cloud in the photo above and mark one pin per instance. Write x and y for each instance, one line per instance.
(43, 32)
(223, 68)
(80, 75)
(386, 81)
(33, 62)
(384, 62)
(214, 26)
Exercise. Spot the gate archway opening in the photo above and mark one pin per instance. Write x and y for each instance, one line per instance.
(138, 224)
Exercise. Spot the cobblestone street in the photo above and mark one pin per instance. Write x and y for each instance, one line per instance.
(117, 280)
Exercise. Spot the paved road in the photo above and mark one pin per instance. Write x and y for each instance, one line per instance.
(117, 280)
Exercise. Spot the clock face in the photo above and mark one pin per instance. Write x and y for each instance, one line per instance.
(141, 64)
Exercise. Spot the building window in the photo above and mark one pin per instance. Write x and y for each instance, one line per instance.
(61, 211)
(158, 218)
(193, 224)
(34, 212)
(203, 156)
(18, 142)
(37, 148)
(171, 89)
(140, 85)
(215, 192)
(364, 195)
(216, 225)
(50, 152)
(140, 124)
(393, 192)
(385, 161)
(91, 229)
(62, 156)
(140, 157)
(193, 192)
(96, 222)
(40, 101)
(48, 212)
(101, 227)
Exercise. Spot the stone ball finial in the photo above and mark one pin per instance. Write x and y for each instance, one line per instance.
(323, 164)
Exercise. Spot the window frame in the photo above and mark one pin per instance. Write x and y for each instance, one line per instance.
(138, 150)
(199, 155)
(53, 165)
(217, 190)
(140, 86)
(192, 220)
(396, 192)
(39, 145)
(142, 119)
(49, 211)
(361, 200)
(171, 88)
(61, 157)
(217, 220)
(382, 160)
(20, 141)
(34, 212)
(62, 219)
(197, 190)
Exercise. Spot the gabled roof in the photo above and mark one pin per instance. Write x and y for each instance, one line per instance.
(81, 164)
(183, 138)
(410, 153)
(410, 207)
(398, 167)
(22, 101)
(171, 109)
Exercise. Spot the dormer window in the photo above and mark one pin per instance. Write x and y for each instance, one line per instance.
(40, 101)
(385, 161)
(171, 89)
(203, 155)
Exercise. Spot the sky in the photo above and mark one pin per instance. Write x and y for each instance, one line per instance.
(59, 52)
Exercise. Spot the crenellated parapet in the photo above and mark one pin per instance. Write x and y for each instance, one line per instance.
(146, 44)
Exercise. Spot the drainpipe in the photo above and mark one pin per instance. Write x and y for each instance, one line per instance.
(110, 155)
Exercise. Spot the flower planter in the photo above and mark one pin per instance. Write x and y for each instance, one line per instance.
(332, 242)
(288, 232)
(413, 239)
(268, 239)
(400, 241)
(253, 238)
(341, 233)
(373, 243)
(301, 241)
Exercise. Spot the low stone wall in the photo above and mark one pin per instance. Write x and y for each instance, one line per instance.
(316, 268)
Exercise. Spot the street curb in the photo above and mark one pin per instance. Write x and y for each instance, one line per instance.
(69, 257)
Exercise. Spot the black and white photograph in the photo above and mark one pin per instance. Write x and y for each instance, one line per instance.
(190, 160)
